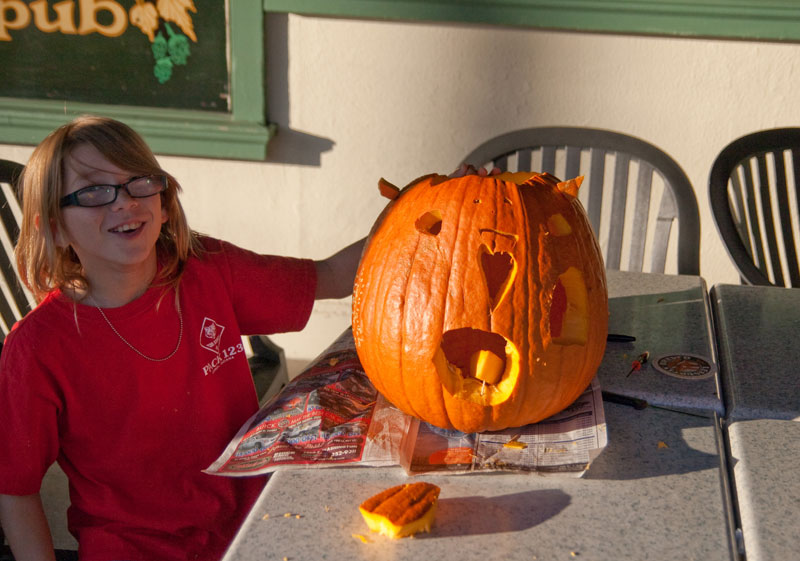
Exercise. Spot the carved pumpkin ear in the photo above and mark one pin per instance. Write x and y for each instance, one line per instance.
(391, 191)
(571, 187)
(388, 190)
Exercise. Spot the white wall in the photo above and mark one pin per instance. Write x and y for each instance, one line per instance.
(357, 100)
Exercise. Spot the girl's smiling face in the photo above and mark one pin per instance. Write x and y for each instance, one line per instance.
(118, 238)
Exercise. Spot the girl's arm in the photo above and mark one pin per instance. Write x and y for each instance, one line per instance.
(26, 528)
(337, 273)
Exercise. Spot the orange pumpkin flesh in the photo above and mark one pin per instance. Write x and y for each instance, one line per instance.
(402, 510)
(480, 302)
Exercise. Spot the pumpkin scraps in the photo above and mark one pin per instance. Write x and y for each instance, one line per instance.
(402, 510)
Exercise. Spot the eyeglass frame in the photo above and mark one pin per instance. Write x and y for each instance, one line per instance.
(72, 198)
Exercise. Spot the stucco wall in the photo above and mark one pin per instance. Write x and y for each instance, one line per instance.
(357, 100)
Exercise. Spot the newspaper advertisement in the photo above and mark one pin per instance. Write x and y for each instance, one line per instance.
(331, 415)
(564, 444)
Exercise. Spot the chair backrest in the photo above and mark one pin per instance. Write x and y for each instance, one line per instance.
(631, 205)
(753, 193)
(14, 302)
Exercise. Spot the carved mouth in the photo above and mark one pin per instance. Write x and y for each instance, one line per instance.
(477, 365)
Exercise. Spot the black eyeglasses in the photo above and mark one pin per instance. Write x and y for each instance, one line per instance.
(99, 195)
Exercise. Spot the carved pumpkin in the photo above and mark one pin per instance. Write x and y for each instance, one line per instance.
(480, 303)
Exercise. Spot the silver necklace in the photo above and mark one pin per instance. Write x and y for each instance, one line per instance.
(137, 351)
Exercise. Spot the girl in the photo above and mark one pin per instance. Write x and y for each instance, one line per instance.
(130, 371)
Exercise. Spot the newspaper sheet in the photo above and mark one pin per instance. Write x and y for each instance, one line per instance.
(332, 415)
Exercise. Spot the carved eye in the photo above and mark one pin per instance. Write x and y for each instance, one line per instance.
(558, 225)
(569, 313)
(430, 223)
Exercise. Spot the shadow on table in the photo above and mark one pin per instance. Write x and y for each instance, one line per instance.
(467, 516)
(654, 442)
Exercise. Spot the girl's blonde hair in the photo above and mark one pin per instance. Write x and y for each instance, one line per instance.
(42, 265)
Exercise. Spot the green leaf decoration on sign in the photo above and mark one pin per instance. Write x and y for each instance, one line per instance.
(178, 46)
(163, 70)
(175, 49)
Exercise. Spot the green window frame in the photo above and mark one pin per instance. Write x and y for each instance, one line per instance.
(775, 20)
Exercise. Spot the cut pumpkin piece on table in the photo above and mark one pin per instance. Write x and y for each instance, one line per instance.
(402, 510)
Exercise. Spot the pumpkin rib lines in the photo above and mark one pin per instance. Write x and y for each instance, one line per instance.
(375, 287)
(560, 260)
(403, 327)
(456, 408)
(403, 335)
(526, 329)
(426, 387)
(444, 260)
(380, 288)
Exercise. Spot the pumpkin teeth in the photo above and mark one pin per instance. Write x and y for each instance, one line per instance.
(486, 366)
(497, 240)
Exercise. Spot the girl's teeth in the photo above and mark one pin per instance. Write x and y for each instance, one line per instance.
(127, 227)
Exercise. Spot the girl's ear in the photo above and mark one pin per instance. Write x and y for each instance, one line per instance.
(58, 235)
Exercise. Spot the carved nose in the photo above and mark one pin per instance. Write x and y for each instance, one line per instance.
(499, 270)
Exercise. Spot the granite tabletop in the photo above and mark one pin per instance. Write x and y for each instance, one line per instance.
(764, 456)
(670, 316)
(756, 329)
(656, 492)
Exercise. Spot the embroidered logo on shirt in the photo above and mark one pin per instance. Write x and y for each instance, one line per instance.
(211, 335)
(211, 339)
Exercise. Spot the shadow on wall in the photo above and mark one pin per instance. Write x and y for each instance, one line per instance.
(288, 146)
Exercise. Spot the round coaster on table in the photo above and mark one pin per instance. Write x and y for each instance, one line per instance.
(685, 366)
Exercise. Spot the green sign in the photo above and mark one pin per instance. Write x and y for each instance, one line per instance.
(159, 53)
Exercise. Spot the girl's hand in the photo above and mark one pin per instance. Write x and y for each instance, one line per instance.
(469, 169)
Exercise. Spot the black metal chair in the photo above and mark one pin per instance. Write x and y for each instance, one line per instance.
(754, 187)
(628, 233)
